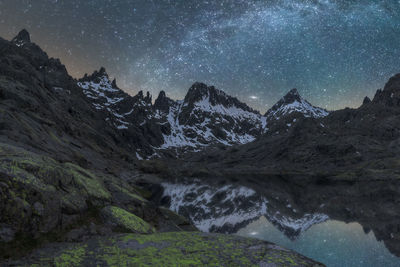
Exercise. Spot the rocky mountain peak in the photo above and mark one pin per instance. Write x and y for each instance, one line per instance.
(292, 102)
(148, 98)
(367, 100)
(390, 95)
(292, 95)
(96, 76)
(22, 38)
(163, 102)
(200, 90)
(145, 100)
(99, 80)
(114, 83)
(393, 83)
(162, 95)
(201, 94)
(196, 92)
(100, 73)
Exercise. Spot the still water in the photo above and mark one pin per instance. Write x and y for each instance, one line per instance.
(333, 243)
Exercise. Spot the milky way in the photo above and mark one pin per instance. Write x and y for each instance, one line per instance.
(334, 52)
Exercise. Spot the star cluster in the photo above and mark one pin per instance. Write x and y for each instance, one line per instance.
(334, 51)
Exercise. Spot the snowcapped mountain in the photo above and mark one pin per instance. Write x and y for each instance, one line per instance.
(206, 115)
(125, 110)
(209, 116)
(292, 102)
(105, 96)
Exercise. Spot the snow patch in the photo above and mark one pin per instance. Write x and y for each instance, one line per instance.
(138, 156)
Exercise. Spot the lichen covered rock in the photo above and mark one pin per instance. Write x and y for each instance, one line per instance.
(36, 190)
(125, 220)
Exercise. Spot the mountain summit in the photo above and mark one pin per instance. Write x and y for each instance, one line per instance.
(293, 103)
(390, 95)
(200, 92)
(208, 116)
(22, 38)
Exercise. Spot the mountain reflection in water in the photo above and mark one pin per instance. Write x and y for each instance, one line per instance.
(333, 243)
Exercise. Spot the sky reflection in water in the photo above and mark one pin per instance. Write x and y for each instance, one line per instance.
(333, 243)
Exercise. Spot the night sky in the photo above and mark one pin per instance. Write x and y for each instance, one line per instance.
(334, 51)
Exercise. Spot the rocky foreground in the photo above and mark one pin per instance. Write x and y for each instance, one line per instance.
(168, 249)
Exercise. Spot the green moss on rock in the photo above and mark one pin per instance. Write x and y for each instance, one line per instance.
(28, 178)
(126, 220)
(89, 182)
(71, 257)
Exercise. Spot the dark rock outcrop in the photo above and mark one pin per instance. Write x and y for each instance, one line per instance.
(22, 38)
(366, 100)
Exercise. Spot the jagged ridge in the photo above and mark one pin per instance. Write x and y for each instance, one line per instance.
(205, 116)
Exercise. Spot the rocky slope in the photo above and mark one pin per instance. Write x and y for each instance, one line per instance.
(70, 181)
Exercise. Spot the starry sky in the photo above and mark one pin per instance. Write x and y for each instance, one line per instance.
(334, 52)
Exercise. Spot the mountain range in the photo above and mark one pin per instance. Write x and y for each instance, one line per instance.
(206, 116)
